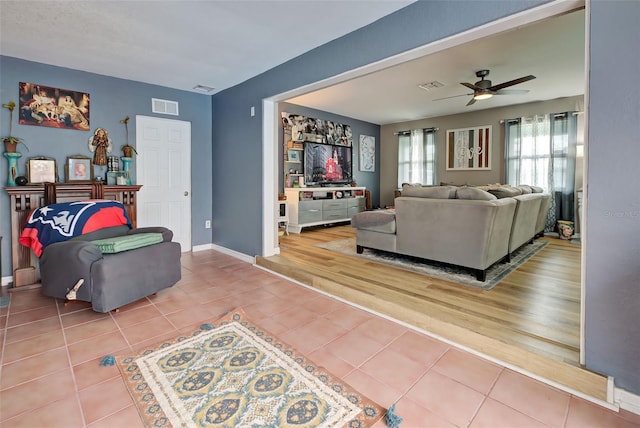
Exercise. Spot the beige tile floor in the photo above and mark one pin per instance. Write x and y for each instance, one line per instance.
(50, 374)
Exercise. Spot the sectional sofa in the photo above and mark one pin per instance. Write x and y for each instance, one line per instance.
(463, 226)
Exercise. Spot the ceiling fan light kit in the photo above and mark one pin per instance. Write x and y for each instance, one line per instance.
(482, 96)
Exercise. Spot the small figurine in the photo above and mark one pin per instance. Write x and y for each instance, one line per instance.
(100, 145)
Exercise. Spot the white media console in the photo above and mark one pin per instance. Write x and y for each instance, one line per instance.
(313, 206)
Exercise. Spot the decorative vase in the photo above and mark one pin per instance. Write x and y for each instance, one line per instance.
(13, 167)
(126, 164)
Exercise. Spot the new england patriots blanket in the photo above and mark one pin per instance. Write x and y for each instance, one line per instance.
(60, 222)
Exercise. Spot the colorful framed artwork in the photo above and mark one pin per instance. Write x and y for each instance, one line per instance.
(53, 107)
(42, 170)
(367, 151)
(469, 148)
(78, 169)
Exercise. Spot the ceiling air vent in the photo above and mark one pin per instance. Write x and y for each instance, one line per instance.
(164, 106)
(431, 85)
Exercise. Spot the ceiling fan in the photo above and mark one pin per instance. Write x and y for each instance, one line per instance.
(483, 90)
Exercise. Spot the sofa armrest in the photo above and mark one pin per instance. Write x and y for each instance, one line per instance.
(62, 264)
(167, 235)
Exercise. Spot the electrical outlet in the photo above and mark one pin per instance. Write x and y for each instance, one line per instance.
(207, 224)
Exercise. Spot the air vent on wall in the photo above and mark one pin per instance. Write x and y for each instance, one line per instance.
(164, 106)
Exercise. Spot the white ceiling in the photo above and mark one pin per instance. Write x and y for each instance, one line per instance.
(181, 44)
(552, 50)
(178, 44)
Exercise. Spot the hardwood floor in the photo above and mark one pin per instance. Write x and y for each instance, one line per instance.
(531, 319)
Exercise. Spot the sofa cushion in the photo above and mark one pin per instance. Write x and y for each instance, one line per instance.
(432, 192)
(474, 193)
(118, 244)
(505, 192)
(383, 221)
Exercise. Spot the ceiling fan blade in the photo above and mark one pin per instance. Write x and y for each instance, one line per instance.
(511, 83)
(511, 92)
(471, 86)
(453, 96)
(471, 101)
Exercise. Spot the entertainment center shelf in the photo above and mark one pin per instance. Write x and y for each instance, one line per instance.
(313, 206)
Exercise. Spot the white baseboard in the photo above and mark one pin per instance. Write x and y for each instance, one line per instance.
(6, 280)
(202, 247)
(227, 251)
(627, 400)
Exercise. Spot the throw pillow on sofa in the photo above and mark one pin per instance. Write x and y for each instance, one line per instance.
(473, 193)
(525, 189)
(536, 189)
(432, 192)
(505, 192)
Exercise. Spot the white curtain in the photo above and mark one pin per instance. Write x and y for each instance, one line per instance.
(541, 151)
(417, 157)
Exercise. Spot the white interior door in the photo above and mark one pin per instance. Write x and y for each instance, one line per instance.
(163, 168)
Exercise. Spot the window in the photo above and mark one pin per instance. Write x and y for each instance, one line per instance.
(541, 151)
(417, 157)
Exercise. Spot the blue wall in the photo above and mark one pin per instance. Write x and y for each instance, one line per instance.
(111, 100)
(371, 180)
(612, 281)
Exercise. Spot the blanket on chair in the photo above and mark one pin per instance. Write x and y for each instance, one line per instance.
(60, 222)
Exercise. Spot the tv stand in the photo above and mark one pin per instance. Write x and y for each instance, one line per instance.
(314, 206)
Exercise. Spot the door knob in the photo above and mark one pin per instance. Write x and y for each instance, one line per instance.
(186, 193)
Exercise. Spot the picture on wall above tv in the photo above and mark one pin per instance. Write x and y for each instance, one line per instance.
(326, 165)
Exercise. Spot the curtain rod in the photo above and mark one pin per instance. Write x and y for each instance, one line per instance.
(424, 129)
(574, 113)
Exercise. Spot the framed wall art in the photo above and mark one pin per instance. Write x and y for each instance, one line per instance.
(469, 148)
(78, 169)
(367, 150)
(53, 107)
(293, 155)
(317, 130)
(42, 170)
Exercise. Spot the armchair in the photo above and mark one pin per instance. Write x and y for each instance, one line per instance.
(87, 250)
(110, 280)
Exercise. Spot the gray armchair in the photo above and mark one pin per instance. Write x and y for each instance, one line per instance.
(110, 280)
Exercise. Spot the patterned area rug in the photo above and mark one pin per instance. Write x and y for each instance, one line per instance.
(234, 374)
(495, 274)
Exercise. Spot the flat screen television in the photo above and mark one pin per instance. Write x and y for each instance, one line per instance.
(326, 165)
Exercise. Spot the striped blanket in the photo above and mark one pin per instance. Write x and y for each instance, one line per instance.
(60, 222)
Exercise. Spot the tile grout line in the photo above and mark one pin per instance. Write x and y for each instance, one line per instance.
(73, 374)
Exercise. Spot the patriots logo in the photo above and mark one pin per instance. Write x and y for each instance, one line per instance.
(60, 222)
(64, 222)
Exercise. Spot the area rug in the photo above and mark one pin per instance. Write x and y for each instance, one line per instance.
(232, 373)
(495, 274)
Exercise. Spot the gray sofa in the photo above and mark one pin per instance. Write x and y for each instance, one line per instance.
(460, 226)
(110, 280)
(465, 226)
